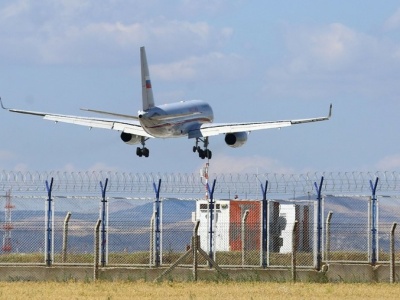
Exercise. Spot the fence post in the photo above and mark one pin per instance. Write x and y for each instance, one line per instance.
(294, 250)
(157, 220)
(264, 233)
(211, 214)
(151, 254)
(104, 223)
(328, 235)
(65, 237)
(96, 250)
(392, 255)
(319, 224)
(373, 221)
(49, 225)
(243, 234)
(195, 247)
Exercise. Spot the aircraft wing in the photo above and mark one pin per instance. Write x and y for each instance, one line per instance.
(130, 126)
(211, 129)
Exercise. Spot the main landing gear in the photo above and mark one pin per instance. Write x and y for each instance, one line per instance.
(142, 151)
(203, 153)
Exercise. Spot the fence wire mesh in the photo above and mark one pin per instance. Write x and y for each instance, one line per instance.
(237, 235)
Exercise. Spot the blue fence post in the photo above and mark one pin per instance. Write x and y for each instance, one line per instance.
(211, 205)
(374, 218)
(319, 224)
(49, 224)
(157, 213)
(104, 222)
(264, 224)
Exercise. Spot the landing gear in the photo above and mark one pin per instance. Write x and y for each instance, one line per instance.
(142, 151)
(203, 153)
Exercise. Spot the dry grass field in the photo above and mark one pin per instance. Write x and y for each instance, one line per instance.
(192, 290)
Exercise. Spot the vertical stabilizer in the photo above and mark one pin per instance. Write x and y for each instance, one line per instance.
(147, 91)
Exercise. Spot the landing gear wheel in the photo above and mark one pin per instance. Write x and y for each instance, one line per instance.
(142, 151)
(205, 152)
(202, 154)
(208, 153)
(139, 152)
(145, 152)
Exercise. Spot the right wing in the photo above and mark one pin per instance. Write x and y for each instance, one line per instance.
(132, 126)
(210, 129)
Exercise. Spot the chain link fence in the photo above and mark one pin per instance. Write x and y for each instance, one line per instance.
(234, 232)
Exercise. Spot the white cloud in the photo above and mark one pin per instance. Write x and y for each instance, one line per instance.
(332, 47)
(211, 66)
(393, 22)
(87, 32)
(334, 59)
(389, 163)
(14, 9)
(6, 155)
(99, 166)
(21, 167)
(254, 164)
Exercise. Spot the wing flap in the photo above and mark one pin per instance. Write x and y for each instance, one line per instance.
(131, 127)
(80, 121)
(215, 129)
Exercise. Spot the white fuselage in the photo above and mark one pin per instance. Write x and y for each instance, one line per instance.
(176, 119)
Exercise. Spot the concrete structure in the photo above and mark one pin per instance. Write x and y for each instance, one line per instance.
(331, 273)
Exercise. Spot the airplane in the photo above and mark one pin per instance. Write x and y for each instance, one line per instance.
(192, 119)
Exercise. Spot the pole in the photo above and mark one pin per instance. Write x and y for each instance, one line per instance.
(96, 250)
(195, 246)
(328, 235)
(264, 233)
(151, 254)
(294, 250)
(243, 234)
(319, 224)
(374, 221)
(211, 205)
(392, 255)
(103, 223)
(49, 224)
(65, 237)
(157, 216)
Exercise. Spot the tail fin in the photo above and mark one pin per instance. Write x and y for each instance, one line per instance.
(147, 92)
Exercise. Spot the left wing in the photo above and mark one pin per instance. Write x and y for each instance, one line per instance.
(211, 129)
(131, 126)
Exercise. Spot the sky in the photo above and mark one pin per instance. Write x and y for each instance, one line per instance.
(250, 60)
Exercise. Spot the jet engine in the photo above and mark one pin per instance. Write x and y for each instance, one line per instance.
(236, 139)
(130, 139)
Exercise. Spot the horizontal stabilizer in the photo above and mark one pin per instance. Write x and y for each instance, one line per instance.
(110, 113)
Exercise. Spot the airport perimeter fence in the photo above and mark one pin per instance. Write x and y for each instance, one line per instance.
(247, 220)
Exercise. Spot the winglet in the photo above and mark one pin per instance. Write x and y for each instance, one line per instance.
(2, 106)
(330, 112)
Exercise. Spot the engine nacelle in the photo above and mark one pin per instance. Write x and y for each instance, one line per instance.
(236, 139)
(130, 139)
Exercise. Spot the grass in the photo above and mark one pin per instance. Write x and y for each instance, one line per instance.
(194, 290)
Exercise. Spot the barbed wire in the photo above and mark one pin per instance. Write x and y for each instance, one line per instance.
(228, 185)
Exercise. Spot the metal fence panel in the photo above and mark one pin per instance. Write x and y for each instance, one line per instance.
(237, 233)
